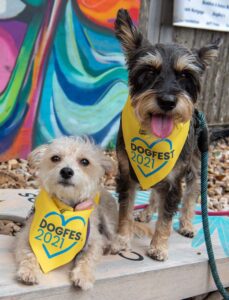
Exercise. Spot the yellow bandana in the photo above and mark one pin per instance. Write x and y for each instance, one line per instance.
(57, 233)
(152, 158)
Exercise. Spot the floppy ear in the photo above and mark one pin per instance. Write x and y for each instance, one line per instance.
(36, 155)
(208, 53)
(126, 32)
(107, 164)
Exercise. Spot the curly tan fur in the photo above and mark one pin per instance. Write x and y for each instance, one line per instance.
(84, 184)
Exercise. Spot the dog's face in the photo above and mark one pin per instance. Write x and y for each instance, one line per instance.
(70, 168)
(164, 80)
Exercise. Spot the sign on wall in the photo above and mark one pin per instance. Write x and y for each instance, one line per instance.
(205, 14)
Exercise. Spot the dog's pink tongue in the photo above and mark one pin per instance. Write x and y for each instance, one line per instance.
(84, 205)
(161, 125)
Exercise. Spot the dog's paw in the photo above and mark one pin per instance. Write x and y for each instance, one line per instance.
(186, 229)
(27, 275)
(187, 232)
(120, 243)
(107, 249)
(143, 216)
(157, 254)
(82, 278)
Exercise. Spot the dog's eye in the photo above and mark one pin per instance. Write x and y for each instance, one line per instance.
(183, 75)
(145, 77)
(151, 72)
(55, 158)
(84, 162)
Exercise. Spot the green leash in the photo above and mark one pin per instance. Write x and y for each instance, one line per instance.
(203, 147)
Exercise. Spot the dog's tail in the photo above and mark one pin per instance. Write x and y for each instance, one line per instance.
(141, 230)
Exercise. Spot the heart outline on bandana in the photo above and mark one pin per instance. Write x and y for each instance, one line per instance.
(63, 223)
(150, 147)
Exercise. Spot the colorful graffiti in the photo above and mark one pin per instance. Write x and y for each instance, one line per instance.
(218, 226)
(62, 71)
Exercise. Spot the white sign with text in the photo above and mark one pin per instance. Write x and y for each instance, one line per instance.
(204, 14)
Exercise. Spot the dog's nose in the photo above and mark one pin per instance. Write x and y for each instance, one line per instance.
(167, 102)
(66, 173)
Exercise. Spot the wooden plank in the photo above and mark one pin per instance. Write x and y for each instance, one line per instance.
(144, 16)
(120, 278)
(16, 204)
(146, 278)
(166, 28)
(155, 11)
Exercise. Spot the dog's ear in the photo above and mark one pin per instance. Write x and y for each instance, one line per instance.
(36, 155)
(126, 32)
(209, 52)
(107, 164)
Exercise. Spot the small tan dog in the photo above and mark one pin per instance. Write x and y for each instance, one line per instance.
(71, 170)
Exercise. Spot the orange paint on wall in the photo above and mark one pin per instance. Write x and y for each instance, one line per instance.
(103, 12)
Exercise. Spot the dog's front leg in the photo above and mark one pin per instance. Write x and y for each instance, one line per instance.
(146, 214)
(126, 189)
(170, 196)
(82, 275)
(28, 270)
(189, 201)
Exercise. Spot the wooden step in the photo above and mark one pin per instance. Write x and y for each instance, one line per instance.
(130, 276)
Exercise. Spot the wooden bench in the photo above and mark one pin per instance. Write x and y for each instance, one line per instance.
(130, 276)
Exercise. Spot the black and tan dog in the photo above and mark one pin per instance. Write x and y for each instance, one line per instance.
(164, 84)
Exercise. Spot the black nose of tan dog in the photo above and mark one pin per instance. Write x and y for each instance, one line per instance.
(66, 173)
(167, 102)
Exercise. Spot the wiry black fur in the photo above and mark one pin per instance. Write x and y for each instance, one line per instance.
(167, 83)
(164, 80)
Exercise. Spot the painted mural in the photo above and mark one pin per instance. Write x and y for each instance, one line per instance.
(62, 72)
